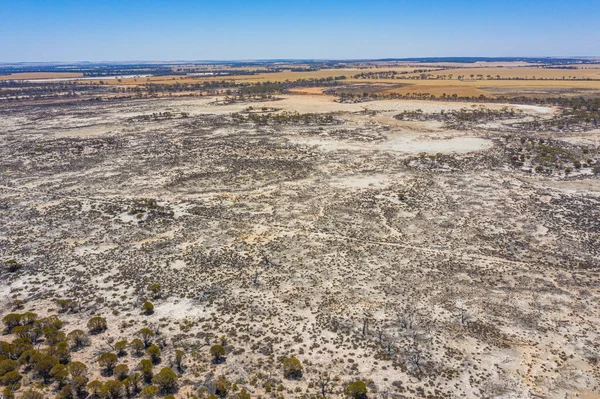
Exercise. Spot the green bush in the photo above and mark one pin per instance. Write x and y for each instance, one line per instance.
(11, 378)
(60, 374)
(11, 321)
(121, 347)
(8, 365)
(78, 339)
(12, 266)
(217, 351)
(64, 305)
(95, 388)
(66, 392)
(138, 346)
(44, 365)
(148, 308)
(121, 371)
(61, 351)
(108, 361)
(243, 395)
(32, 394)
(132, 384)
(79, 384)
(145, 367)
(53, 335)
(292, 368)
(29, 318)
(155, 289)
(222, 386)
(30, 357)
(146, 335)
(356, 390)
(165, 380)
(113, 389)
(97, 325)
(51, 322)
(149, 392)
(153, 352)
(77, 369)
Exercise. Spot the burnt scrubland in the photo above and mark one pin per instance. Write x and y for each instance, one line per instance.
(266, 244)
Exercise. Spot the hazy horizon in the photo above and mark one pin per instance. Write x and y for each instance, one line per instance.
(69, 31)
(267, 60)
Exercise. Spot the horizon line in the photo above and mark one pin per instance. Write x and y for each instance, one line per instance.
(248, 60)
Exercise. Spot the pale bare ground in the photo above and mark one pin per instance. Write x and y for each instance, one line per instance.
(406, 137)
(534, 108)
(328, 104)
(591, 137)
(586, 187)
(402, 136)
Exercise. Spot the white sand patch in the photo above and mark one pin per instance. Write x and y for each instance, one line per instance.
(591, 137)
(361, 181)
(536, 108)
(326, 104)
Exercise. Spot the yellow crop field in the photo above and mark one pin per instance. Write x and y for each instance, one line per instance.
(522, 73)
(479, 87)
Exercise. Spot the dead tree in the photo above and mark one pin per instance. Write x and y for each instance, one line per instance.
(209, 383)
(210, 292)
(380, 335)
(389, 345)
(465, 317)
(407, 319)
(365, 327)
(323, 381)
(415, 357)
(77, 281)
(155, 327)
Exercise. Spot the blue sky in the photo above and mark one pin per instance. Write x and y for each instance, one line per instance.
(111, 30)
